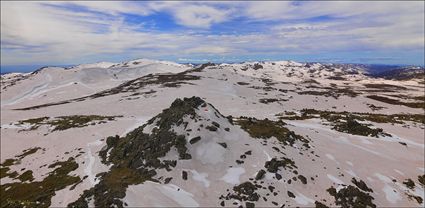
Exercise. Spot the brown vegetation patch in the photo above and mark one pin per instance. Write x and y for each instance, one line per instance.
(396, 102)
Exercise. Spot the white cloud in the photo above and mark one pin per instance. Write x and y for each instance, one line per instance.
(46, 32)
(370, 24)
(199, 16)
(307, 9)
(268, 9)
(108, 7)
(193, 14)
(208, 49)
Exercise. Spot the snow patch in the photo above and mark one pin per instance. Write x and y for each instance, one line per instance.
(201, 177)
(88, 170)
(395, 138)
(351, 172)
(399, 172)
(210, 152)
(232, 175)
(331, 157)
(158, 195)
(303, 200)
(139, 122)
(334, 179)
(182, 197)
(267, 155)
(390, 194)
(383, 178)
(16, 126)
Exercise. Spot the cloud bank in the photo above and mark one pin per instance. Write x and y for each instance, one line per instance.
(88, 31)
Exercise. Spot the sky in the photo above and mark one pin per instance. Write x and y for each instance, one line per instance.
(66, 33)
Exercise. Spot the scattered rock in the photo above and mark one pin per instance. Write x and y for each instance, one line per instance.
(184, 175)
(223, 144)
(290, 194)
(302, 179)
(194, 140)
(260, 174)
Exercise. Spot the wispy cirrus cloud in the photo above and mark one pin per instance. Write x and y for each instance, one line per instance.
(87, 31)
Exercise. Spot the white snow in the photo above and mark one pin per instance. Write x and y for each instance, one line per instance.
(347, 141)
(102, 65)
(383, 178)
(391, 194)
(399, 172)
(331, 157)
(150, 194)
(365, 140)
(201, 177)
(351, 172)
(315, 125)
(88, 170)
(182, 197)
(212, 168)
(232, 175)
(210, 152)
(148, 128)
(334, 179)
(395, 138)
(16, 126)
(139, 122)
(267, 155)
(370, 179)
(302, 199)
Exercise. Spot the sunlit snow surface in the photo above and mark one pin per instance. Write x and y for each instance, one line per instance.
(212, 169)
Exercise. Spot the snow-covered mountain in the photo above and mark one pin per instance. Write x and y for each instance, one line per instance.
(265, 134)
(85, 78)
(404, 73)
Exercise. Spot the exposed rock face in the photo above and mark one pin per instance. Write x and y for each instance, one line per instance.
(142, 153)
(137, 156)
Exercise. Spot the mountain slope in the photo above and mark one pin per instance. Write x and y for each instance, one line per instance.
(192, 145)
(293, 134)
(404, 73)
(81, 79)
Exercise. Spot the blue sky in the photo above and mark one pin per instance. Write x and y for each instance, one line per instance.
(64, 33)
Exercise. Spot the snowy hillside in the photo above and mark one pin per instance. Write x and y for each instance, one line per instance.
(148, 133)
(404, 73)
(81, 79)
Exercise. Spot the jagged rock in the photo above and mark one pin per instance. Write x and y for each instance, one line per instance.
(184, 175)
(260, 174)
(290, 194)
(194, 140)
